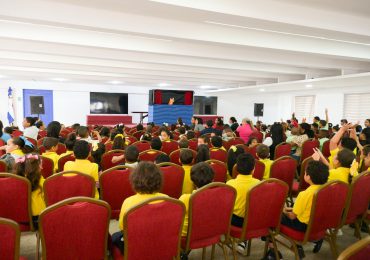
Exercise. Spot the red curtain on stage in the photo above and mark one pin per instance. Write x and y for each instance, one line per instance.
(157, 97)
(188, 98)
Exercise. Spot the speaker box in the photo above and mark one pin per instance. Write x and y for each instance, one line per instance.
(37, 105)
(258, 109)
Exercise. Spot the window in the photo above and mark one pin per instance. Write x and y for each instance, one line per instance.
(356, 107)
(304, 107)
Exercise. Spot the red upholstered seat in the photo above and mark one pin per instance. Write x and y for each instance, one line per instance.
(130, 139)
(156, 218)
(41, 134)
(62, 161)
(193, 144)
(218, 154)
(253, 151)
(2, 143)
(32, 141)
(173, 178)
(234, 141)
(47, 167)
(108, 146)
(258, 172)
(299, 236)
(220, 170)
(66, 185)
(138, 134)
(142, 145)
(210, 210)
(169, 146)
(106, 159)
(3, 167)
(326, 149)
(175, 156)
(308, 148)
(357, 251)
(64, 132)
(9, 239)
(17, 133)
(115, 187)
(75, 228)
(282, 149)
(149, 155)
(15, 200)
(61, 149)
(302, 184)
(258, 135)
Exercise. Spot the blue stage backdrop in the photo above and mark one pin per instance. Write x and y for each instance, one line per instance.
(160, 114)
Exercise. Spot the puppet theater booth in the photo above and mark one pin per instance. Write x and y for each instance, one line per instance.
(166, 106)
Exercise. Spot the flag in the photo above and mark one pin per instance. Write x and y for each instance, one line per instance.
(10, 106)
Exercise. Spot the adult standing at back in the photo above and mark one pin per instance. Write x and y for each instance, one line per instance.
(245, 129)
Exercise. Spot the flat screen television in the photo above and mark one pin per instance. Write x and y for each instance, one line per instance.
(108, 103)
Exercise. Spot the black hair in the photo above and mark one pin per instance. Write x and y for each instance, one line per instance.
(50, 142)
(186, 156)
(201, 174)
(216, 141)
(200, 121)
(190, 135)
(323, 123)
(146, 178)
(251, 140)
(245, 164)
(181, 130)
(75, 126)
(31, 120)
(1, 128)
(139, 127)
(161, 158)
(209, 123)
(156, 143)
(220, 121)
(83, 131)
(53, 129)
(202, 153)
(318, 172)
(39, 123)
(263, 151)
(317, 118)
(344, 121)
(315, 125)
(98, 153)
(131, 154)
(233, 119)
(70, 141)
(345, 158)
(277, 134)
(81, 149)
(104, 131)
(146, 137)
(164, 129)
(119, 143)
(179, 121)
(183, 143)
(348, 143)
(231, 157)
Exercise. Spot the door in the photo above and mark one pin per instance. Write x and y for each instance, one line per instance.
(39, 102)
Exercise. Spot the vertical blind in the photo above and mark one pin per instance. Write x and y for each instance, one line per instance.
(356, 107)
(304, 107)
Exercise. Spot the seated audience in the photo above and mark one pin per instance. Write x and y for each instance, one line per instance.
(30, 130)
(51, 147)
(186, 159)
(263, 153)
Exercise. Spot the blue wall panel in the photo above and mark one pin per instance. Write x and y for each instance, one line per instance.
(160, 114)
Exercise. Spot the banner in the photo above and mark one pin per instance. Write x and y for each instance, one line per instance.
(10, 106)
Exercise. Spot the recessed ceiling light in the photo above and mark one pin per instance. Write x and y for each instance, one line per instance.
(59, 79)
(115, 82)
(308, 85)
(262, 89)
(164, 84)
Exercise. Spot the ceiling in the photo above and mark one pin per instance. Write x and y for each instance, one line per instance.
(220, 45)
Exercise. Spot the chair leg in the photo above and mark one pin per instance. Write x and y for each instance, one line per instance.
(213, 251)
(37, 246)
(204, 253)
(275, 247)
(295, 250)
(249, 247)
(233, 241)
(224, 251)
(358, 230)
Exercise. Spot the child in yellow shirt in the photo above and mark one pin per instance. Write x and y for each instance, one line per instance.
(51, 147)
(186, 159)
(146, 181)
(29, 166)
(263, 153)
(217, 144)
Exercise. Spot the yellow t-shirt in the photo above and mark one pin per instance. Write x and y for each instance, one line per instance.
(84, 166)
(134, 200)
(53, 156)
(331, 157)
(185, 198)
(267, 162)
(37, 199)
(303, 204)
(18, 152)
(187, 186)
(340, 173)
(65, 154)
(242, 184)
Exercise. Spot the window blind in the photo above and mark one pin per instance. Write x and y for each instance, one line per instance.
(304, 107)
(356, 107)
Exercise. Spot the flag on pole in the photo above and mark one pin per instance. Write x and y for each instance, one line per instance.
(10, 106)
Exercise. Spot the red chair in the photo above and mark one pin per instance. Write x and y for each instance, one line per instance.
(16, 133)
(159, 218)
(173, 179)
(325, 218)
(115, 187)
(62, 161)
(282, 149)
(357, 251)
(75, 228)
(308, 148)
(2, 143)
(149, 155)
(63, 133)
(302, 184)
(15, 200)
(175, 156)
(169, 146)
(142, 145)
(106, 159)
(47, 167)
(264, 206)
(220, 170)
(193, 144)
(258, 135)
(326, 149)
(66, 185)
(138, 134)
(9, 239)
(212, 204)
(3, 167)
(253, 151)
(130, 139)
(235, 141)
(358, 202)
(259, 170)
(61, 149)
(40, 141)
(218, 154)
(41, 134)
(244, 147)
(285, 169)
(32, 141)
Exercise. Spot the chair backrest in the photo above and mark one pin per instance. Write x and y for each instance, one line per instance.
(15, 200)
(115, 187)
(193, 144)
(175, 155)
(357, 251)
(326, 212)
(142, 145)
(17, 133)
(41, 149)
(40, 141)
(308, 148)
(9, 239)
(3, 167)
(219, 169)
(284, 169)
(62, 161)
(47, 168)
(32, 141)
(303, 185)
(138, 134)
(218, 154)
(244, 147)
(258, 135)
(149, 155)
(326, 149)
(75, 228)
(235, 141)
(253, 151)
(212, 204)
(2, 143)
(173, 178)
(259, 170)
(169, 146)
(153, 226)
(282, 149)
(61, 149)
(108, 146)
(358, 198)
(106, 159)
(264, 206)
(66, 185)
(41, 134)
(130, 139)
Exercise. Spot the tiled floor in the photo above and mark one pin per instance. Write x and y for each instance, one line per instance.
(28, 247)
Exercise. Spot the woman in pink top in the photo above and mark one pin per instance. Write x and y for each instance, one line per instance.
(245, 129)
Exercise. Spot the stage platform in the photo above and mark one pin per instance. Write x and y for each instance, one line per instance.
(108, 120)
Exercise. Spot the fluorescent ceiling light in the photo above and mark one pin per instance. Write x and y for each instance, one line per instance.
(308, 85)
(60, 79)
(285, 33)
(164, 84)
(115, 82)
(262, 89)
